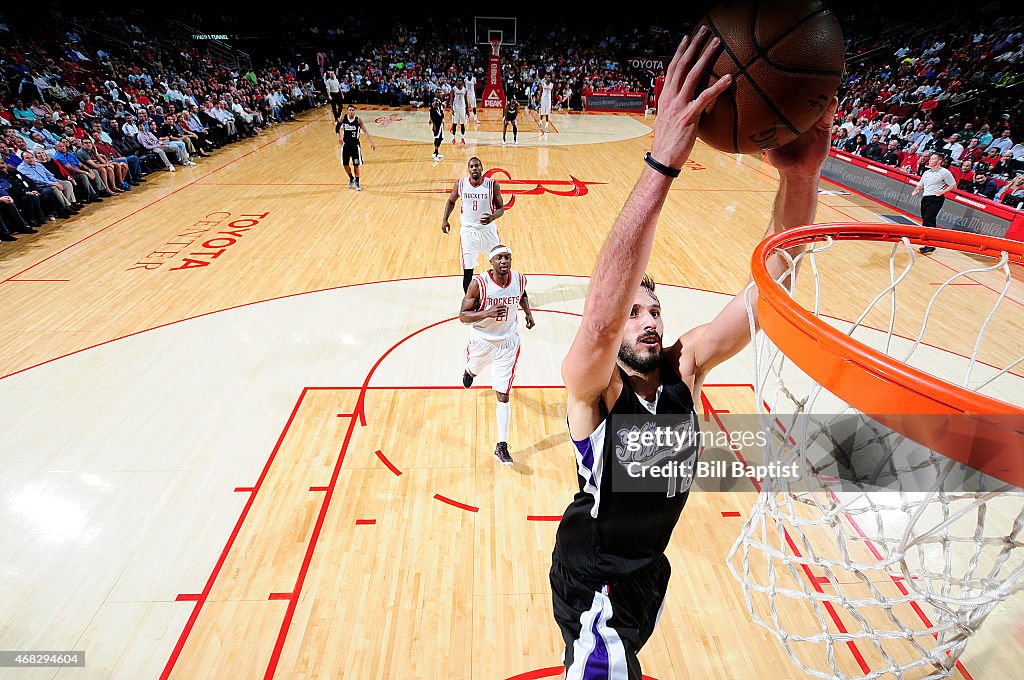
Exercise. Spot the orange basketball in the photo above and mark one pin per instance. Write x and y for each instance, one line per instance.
(786, 58)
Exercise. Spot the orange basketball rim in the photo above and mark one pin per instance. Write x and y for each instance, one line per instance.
(990, 440)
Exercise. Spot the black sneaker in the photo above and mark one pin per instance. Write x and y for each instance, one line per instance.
(467, 379)
(502, 454)
(927, 249)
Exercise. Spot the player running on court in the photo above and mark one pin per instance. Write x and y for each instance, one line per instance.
(481, 205)
(609, 573)
(348, 129)
(490, 306)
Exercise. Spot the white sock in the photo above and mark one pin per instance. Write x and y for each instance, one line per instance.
(504, 415)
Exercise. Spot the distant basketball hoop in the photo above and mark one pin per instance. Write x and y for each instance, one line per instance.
(495, 47)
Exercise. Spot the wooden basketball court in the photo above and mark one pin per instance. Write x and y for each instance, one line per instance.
(235, 443)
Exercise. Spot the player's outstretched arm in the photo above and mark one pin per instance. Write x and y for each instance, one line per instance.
(449, 207)
(588, 368)
(796, 202)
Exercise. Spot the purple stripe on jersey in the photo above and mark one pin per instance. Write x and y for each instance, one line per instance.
(597, 663)
(586, 449)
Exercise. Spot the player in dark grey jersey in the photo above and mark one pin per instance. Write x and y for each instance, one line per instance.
(437, 126)
(348, 129)
(609, 572)
(509, 117)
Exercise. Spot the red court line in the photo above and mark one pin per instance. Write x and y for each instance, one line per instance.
(274, 184)
(536, 119)
(154, 202)
(543, 518)
(730, 513)
(843, 212)
(401, 280)
(318, 488)
(878, 556)
(388, 463)
(897, 580)
(201, 599)
(244, 489)
(994, 290)
(455, 504)
(733, 190)
(456, 387)
(554, 671)
(363, 522)
(806, 569)
(307, 292)
(281, 596)
(39, 280)
(188, 597)
(307, 559)
(915, 218)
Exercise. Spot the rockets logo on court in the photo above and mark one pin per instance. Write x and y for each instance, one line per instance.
(384, 121)
(511, 189)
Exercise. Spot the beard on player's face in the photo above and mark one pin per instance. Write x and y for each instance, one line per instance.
(643, 355)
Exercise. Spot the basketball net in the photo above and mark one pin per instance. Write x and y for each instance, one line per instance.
(857, 581)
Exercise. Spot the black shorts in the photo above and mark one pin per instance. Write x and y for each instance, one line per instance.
(605, 625)
(351, 153)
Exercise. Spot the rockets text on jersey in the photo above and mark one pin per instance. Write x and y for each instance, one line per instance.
(458, 98)
(504, 326)
(477, 201)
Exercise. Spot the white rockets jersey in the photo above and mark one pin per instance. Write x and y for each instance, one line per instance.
(504, 327)
(471, 87)
(476, 201)
(459, 98)
(546, 89)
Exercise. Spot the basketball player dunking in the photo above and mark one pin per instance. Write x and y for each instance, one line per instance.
(490, 305)
(546, 88)
(481, 205)
(609, 572)
(459, 110)
(511, 114)
(348, 129)
(437, 126)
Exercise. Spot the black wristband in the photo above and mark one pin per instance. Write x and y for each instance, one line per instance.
(663, 169)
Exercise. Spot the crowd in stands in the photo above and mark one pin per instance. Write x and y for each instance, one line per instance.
(83, 121)
(98, 117)
(956, 94)
(412, 65)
